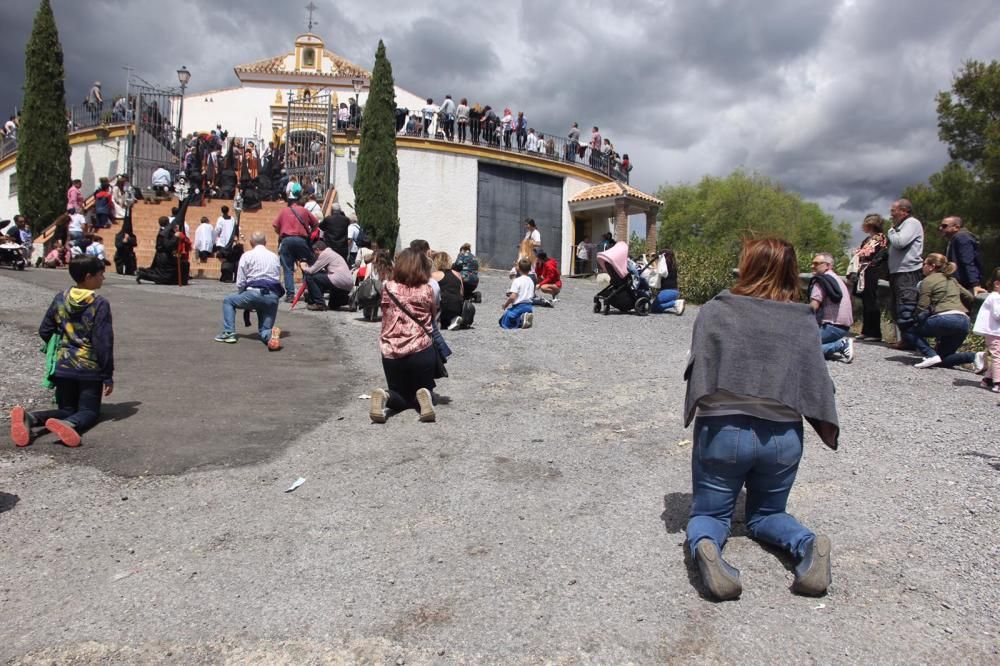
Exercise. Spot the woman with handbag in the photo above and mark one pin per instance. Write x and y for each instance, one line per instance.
(409, 357)
(668, 298)
(869, 256)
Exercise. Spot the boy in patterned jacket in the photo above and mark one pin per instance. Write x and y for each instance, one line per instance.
(82, 366)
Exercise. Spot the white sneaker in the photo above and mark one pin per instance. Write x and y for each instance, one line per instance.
(426, 402)
(527, 320)
(979, 363)
(456, 324)
(377, 410)
(848, 354)
(679, 307)
(929, 362)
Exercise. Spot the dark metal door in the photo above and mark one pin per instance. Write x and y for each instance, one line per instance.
(506, 197)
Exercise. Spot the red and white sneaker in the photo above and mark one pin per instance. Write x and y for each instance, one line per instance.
(274, 342)
(66, 433)
(19, 431)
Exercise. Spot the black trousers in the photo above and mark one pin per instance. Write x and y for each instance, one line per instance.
(872, 313)
(318, 284)
(407, 374)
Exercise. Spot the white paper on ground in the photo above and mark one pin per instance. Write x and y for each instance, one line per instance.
(298, 482)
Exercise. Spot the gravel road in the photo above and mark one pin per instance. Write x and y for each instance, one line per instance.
(541, 519)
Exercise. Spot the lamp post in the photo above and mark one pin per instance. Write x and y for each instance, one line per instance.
(183, 75)
(359, 85)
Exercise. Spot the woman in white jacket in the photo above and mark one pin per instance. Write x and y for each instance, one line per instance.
(988, 326)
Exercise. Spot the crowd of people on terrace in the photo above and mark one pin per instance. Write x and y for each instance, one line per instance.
(482, 124)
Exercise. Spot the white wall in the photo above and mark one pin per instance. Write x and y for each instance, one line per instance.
(438, 195)
(241, 111)
(88, 161)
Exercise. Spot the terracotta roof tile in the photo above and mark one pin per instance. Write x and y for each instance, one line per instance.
(613, 190)
(276, 65)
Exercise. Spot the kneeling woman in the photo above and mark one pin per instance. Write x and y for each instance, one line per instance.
(409, 358)
(942, 295)
(668, 298)
(755, 370)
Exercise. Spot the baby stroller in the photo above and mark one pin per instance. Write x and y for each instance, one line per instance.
(626, 292)
(11, 254)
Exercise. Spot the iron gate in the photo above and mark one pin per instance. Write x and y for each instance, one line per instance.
(155, 137)
(308, 145)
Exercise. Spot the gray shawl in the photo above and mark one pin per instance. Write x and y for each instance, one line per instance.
(764, 349)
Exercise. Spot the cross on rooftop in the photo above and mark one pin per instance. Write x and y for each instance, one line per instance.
(311, 7)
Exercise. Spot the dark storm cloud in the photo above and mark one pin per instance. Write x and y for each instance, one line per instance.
(833, 99)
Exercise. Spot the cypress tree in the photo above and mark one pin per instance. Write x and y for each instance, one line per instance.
(376, 187)
(43, 165)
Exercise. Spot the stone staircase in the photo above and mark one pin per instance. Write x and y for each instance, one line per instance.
(145, 223)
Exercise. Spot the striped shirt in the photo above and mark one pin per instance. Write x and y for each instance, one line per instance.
(258, 264)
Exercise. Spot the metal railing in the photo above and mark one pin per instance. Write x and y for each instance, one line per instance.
(85, 116)
(8, 146)
(546, 144)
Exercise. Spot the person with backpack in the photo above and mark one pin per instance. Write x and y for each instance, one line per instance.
(356, 239)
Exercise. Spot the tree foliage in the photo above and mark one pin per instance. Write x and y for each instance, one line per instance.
(43, 155)
(720, 212)
(376, 188)
(969, 185)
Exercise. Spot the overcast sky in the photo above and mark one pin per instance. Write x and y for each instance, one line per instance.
(835, 99)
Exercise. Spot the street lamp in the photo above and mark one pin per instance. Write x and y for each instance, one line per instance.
(183, 75)
(359, 85)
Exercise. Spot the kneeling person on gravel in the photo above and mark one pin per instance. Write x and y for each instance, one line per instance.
(258, 288)
(327, 273)
(830, 299)
(517, 309)
(80, 358)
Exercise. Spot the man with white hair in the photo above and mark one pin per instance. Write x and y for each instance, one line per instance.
(830, 299)
(258, 288)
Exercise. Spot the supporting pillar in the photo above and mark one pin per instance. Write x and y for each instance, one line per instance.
(621, 220)
(651, 236)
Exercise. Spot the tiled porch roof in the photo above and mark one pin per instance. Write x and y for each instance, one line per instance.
(614, 190)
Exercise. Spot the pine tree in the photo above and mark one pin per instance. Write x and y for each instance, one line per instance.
(376, 188)
(43, 167)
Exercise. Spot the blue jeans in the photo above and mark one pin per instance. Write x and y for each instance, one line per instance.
(834, 339)
(78, 403)
(950, 330)
(730, 451)
(665, 299)
(265, 305)
(291, 250)
(512, 316)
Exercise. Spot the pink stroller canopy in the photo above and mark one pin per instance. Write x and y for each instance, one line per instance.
(615, 259)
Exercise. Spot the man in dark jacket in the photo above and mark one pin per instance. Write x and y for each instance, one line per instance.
(334, 227)
(963, 249)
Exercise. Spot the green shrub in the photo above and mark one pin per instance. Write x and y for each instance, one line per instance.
(704, 271)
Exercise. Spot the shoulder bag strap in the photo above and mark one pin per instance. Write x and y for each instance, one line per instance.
(304, 226)
(408, 313)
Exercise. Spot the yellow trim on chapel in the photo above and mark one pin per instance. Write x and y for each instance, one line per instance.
(81, 136)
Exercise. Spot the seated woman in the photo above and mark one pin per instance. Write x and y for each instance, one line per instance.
(754, 372)
(409, 358)
(468, 266)
(668, 298)
(327, 273)
(171, 246)
(57, 256)
(450, 282)
(942, 295)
